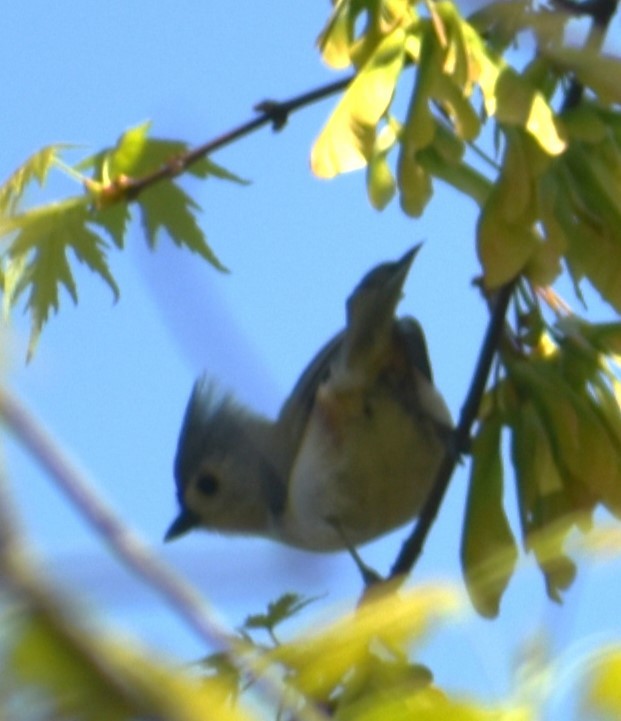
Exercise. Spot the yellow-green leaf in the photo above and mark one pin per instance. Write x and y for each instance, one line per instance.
(335, 39)
(488, 550)
(35, 168)
(519, 103)
(346, 141)
(604, 690)
(595, 70)
(544, 509)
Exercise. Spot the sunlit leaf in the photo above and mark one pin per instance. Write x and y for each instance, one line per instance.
(346, 142)
(321, 660)
(336, 38)
(519, 103)
(35, 168)
(604, 691)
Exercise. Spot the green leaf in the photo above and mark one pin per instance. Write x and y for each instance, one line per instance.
(545, 512)
(335, 39)
(506, 239)
(38, 257)
(113, 219)
(205, 167)
(590, 219)
(346, 142)
(166, 207)
(488, 549)
(461, 176)
(284, 608)
(381, 184)
(519, 103)
(36, 168)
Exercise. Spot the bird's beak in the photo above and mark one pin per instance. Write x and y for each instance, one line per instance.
(185, 521)
(402, 266)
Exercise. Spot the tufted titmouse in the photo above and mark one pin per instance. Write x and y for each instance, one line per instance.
(353, 451)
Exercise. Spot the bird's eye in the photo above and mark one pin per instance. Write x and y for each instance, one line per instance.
(207, 484)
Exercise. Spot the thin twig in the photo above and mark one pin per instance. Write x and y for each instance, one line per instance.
(271, 112)
(130, 550)
(126, 545)
(413, 546)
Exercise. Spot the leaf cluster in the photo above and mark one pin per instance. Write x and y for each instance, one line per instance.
(357, 667)
(39, 245)
(549, 202)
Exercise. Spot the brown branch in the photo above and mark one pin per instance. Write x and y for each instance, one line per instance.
(271, 112)
(125, 544)
(413, 546)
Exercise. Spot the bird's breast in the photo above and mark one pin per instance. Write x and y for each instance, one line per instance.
(364, 467)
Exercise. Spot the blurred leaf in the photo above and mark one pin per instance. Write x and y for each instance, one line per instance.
(36, 167)
(583, 450)
(346, 142)
(90, 678)
(113, 219)
(595, 70)
(585, 124)
(603, 690)
(606, 337)
(488, 549)
(431, 704)
(320, 661)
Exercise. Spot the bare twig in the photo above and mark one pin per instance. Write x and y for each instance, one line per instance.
(271, 112)
(125, 544)
(413, 546)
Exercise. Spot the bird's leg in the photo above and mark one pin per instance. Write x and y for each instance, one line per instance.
(369, 575)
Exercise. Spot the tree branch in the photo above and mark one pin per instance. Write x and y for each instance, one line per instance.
(413, 546)
(126, 545)
(130, 550)
(271, 112)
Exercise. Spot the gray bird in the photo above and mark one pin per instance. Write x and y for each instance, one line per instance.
(353, 452)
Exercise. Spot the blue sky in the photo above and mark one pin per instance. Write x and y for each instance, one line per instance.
(111, 380)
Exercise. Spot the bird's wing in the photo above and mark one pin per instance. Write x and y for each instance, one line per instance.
(424, 399)
(296, 410)
(415, 345)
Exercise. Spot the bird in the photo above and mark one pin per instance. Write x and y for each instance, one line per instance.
(353, 452)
